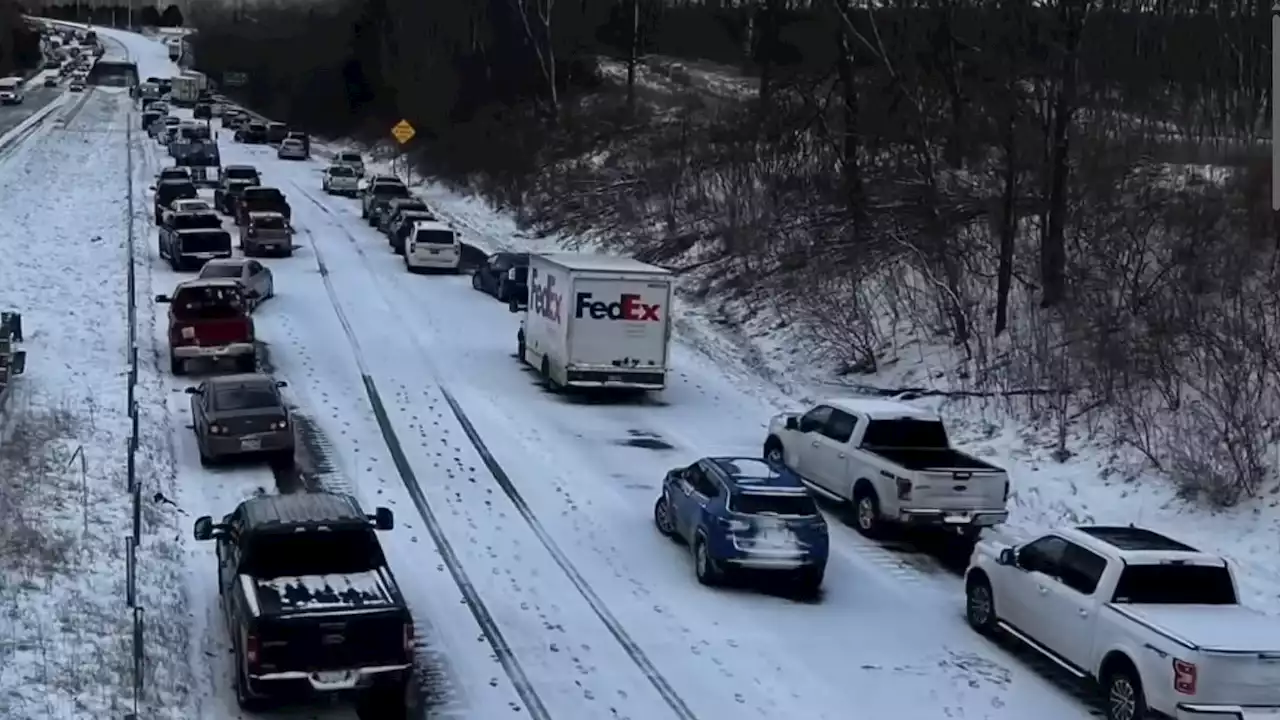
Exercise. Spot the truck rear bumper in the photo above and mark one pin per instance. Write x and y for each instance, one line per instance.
(1193, 711)
(189, 352)
(616, 379)
(953, 518)
(298, 683)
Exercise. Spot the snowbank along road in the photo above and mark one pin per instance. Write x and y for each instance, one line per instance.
(525, 545)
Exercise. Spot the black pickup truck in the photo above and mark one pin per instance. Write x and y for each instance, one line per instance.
(310, 604)
(261, 199)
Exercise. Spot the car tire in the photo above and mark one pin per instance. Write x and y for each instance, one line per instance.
(866, 512)
(662, 517)
(704, 567)
(980, 606)
(774, 453)
(283, 459)
(475, 281)
(808, 582)
(247, 702)
(1122, 695)
(177, 366)
(520, 347)
(205, 460)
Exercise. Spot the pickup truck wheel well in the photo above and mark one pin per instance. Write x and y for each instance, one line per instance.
(1116, 661)
(864, 487)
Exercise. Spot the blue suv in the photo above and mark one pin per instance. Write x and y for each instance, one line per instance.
(743, 514)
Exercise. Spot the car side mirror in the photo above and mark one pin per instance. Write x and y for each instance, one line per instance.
(281, 383)
(163, 299)
(153, 188)
(252, 294)
(1008, 557)
(203, 528)
(383, 519)
(792, 424)
(191, 390)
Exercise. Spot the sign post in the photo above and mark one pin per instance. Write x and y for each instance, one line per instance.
(403, 132)
(1275, 114)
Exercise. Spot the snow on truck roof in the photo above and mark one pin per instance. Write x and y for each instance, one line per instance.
(601, 263)
(878, 409)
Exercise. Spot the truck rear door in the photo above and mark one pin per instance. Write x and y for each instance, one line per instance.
(315, 642)
(619, 323)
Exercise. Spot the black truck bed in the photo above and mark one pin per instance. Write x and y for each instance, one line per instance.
(929, 460)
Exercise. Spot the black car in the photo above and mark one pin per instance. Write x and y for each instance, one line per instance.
(276, 132)
(202, 112)
(504, 276)
(311, 605)
(169, 190)
(191, 248)
(254, 133)
(301, 137)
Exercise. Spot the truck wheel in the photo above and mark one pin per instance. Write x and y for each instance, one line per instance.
(773, 453)
(475, 281)
(247, 702)
(547, 381)
(980, 606)
(1124, 698)
(705, 567)
(520, 348)
(177, 365)
(866, 511)
(808, 582)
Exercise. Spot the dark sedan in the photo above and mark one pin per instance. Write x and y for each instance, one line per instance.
(241, 415)
(504, 276)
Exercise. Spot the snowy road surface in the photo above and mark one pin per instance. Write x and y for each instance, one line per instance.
(525, 545)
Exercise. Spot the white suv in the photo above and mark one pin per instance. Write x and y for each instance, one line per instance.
(11, 91)
(432, 245)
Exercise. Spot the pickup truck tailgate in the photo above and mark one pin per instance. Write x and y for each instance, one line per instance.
(959, 490)
(319, 641)
(213, 333)
(1238, 649)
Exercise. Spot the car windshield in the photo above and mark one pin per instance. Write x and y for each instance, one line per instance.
(273, 555)
(262, 195)
(211, 241)
(245, 397)
(434, 237)
(764, 504)
(174, 174)
(174, 190)
(194, 221)
(219, 270)
(208, 303)
(269, 223)
(390, 190)
(1175, 585)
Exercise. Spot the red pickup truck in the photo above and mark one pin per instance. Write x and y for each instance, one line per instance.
(209, 320)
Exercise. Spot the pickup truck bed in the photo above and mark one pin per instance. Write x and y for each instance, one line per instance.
(1209, 627)
(927, 460)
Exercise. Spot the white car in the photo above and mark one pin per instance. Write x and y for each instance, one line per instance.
(341, 180)
(187, 205)
(1155, 622)
(252, 275)
(351, 159)
(292, 149)
(432, 245)
(11, 91)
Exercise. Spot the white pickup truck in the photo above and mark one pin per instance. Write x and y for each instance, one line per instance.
(893, 462)
(1156, 623)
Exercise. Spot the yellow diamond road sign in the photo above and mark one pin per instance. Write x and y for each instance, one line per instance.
(403, 132)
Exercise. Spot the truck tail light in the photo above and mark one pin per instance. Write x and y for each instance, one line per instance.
(252, 654)
(187, 334)
(904, 488)
(1006, 491)
(408, 640)
(1184, 677)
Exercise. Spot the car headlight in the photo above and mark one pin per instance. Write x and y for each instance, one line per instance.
(280, 425)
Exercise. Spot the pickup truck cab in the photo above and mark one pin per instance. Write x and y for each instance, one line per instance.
(189, 240)
(257, 199)
(209, 320)
(310, 604)
(1156, 623)
(893, 462)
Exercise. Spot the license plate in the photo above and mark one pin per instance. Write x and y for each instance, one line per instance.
(251, 444)
(957, 518)
(332, 677)
(435, 252)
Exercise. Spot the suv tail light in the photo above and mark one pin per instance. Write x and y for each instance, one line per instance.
(252, 656)
(904, 488)
(1184, 677)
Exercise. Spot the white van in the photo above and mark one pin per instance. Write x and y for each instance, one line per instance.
(432, 245)
(11, 91)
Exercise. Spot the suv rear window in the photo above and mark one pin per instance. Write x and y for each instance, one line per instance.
(1171, 584)
(763, 504)
(434, 237)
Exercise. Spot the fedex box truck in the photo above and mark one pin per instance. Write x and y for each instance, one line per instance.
(596, 322)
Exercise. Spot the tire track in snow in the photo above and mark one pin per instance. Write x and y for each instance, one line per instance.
(628, 644)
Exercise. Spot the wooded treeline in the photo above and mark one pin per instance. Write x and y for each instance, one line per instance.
(1069, 197)
(19, 44)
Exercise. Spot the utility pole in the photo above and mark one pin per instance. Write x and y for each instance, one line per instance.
(1275, 115)
(633, 57)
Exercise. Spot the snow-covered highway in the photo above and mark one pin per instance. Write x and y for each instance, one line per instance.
(525, 544)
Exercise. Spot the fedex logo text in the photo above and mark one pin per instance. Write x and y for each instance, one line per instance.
(543, 299)
(628, 307)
